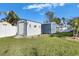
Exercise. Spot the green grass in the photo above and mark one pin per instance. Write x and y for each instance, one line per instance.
(38, 46)
(62, 34)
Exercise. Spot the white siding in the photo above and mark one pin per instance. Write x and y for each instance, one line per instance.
(7, 30)
(53, 27)
(33, 28)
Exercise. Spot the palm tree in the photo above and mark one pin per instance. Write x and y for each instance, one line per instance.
(4, 13)
(12, 17)
(75, 25)
(50, 17)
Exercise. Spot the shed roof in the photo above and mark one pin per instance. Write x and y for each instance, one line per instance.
(50, 23)
(24, 20)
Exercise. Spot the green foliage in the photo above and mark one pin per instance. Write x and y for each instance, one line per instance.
(50, 17)
(63, 19)
(57, 20)
(62, 34)
(75, 25)
(11, 17)
(74, 22)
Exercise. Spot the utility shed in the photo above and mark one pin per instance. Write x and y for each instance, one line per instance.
(48, 28)
(28, 28)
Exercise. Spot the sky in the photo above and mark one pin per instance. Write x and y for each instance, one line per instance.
(36, 11)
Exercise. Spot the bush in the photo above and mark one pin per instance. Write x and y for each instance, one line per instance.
(62, 34)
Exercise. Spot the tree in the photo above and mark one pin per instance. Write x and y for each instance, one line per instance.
(11, 17)
(4, 13)
(63, 22)
(56, 20)
(75, 25)
(50, 17)
(63, 19)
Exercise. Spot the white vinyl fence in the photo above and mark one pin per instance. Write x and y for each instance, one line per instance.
(7, 30)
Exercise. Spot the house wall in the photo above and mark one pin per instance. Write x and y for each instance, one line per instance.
(7, 30)
(33, 28)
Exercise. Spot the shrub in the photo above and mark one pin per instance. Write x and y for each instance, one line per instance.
(62, 34)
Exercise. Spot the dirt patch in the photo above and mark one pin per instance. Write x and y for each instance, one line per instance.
(73, 39)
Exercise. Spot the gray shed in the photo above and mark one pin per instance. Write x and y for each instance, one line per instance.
(48, 28)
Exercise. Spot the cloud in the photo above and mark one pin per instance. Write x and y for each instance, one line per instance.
(78, 6)
(58, 4)
(61, 4)
(37, 6)
(43, 5)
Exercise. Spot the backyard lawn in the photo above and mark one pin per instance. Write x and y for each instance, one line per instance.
(38, 46)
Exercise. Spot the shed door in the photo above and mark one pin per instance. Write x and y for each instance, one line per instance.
(21, 29)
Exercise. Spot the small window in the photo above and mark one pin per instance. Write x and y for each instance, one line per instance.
(29, 25)
(35, 26)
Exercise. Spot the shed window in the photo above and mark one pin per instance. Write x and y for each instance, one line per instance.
(35, 26)
(29, 25)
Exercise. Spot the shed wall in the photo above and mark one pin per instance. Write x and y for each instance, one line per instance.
(33, 28)
(29, 28)
(49, 28)
(46, 28)
(53, 28)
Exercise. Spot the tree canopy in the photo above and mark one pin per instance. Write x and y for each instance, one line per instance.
(50, 17)
(74, 22)
(11, 17)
